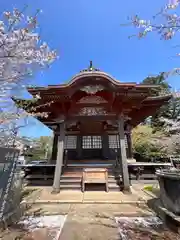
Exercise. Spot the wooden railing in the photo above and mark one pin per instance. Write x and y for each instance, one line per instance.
(43, 174)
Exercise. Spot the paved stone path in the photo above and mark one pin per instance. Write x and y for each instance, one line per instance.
(86, 221)
(91, 221)
(87, 217)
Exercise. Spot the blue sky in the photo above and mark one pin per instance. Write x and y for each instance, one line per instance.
(91, 30)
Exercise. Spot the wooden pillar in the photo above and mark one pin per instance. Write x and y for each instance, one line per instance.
(59, 160)
(79, 147)
(54, 148)
(123, 157)
(129, 142)
(105, 145)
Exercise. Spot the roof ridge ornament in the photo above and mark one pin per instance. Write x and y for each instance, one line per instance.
(90, 68)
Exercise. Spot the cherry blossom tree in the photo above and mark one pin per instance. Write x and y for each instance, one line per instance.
(171, 121)
(21, 51)
(22, 54)
(167, 29)
(19, 116)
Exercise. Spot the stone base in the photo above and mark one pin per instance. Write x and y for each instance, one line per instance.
(55, 191)
(169, 218)
(127, 190)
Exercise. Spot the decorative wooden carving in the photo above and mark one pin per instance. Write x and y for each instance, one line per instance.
(92, 89)
(73, 127)
(92, 111)
(93, 99)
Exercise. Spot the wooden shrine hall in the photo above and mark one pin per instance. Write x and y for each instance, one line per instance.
(92, 117)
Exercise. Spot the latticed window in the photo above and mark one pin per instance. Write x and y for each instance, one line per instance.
(114, 141)
(86, 142)
(96, 142)
(70, 142)
(89, 142)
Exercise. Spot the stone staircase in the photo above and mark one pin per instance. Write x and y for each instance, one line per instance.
(74, 183)
(72, 177)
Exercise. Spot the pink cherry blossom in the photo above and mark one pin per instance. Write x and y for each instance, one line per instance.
(22, 54)
(167, 29)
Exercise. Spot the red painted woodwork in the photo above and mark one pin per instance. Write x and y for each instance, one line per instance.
(115, 97)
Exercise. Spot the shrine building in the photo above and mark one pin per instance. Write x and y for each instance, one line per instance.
(92, 117)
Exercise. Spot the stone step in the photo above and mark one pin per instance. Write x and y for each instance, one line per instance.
(113, 182)
(70, 181)
(64, 177)
(80, 170)
(70, 187)
(82, 166)
(114, 189)
(78, 180)
(90, 162)
(114, 177)
(75, 184)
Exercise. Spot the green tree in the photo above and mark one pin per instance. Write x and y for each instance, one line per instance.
(171, 118)
(164, 88)
(146, 144)
(42, 149)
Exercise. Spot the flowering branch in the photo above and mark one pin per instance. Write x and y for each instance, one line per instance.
(21, 52)
(166, 30)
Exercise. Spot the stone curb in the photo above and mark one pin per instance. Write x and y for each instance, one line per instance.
(122, 214)
(82, 202)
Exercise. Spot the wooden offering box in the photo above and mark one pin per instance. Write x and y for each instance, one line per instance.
(95, 175)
